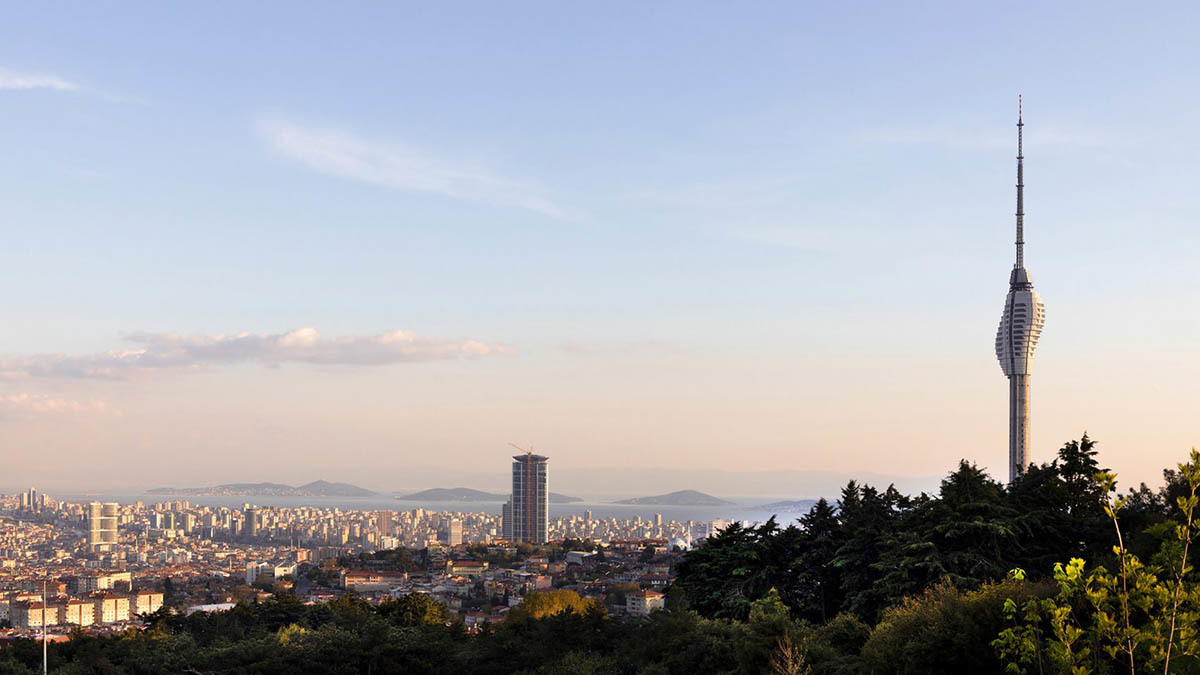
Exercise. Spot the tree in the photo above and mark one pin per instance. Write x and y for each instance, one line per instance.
(415, 609)
(541, 604)
(944, 630)
(715, 576)
(972, 528)
(816, 594)
(788, 659)
(868, 520)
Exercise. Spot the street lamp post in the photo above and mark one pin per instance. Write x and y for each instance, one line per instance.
(45, 649)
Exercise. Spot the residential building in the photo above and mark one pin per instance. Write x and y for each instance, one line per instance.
(146, 602)
(102, 525)
(77, 612)
(362, 580)
(470, 568)
(641, 603)
(28, 614)
(111, 608)
(268, 572)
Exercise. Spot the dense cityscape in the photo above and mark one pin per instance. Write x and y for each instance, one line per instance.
(100, 566)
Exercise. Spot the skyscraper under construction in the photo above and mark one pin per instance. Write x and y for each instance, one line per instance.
(526, 516)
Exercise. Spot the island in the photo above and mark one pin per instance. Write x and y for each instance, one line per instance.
(462, 494)
(458, 494)
(679, 498)
(317, 488)
(786, 506)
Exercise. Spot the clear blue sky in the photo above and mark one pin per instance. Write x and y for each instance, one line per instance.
(675, 230)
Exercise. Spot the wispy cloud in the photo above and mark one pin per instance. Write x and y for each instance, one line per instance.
(27, 405)
(10, 79)
(396, 165)
(161, 351)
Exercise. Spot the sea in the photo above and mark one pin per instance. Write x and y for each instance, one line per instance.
(747, 509)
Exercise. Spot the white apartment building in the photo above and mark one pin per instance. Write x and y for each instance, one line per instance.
(641, 603)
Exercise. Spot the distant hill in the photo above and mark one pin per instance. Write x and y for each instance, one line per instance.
(324, 488)
(462, 494)
(680, 498)
(458, 494)
(319, 488)
(786, 506)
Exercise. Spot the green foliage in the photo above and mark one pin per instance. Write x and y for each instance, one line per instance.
(945, 629)
(1139, 617)
(618, 592)
(539, 605)
(415, 609)
(876, 547)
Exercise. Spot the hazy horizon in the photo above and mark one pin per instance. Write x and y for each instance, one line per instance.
(616, 482)
(702, 246)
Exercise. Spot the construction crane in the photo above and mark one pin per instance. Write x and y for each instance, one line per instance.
(528, 452)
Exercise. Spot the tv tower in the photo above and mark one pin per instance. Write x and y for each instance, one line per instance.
(1020, 328)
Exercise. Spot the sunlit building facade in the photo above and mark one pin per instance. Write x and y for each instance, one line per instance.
(102, 525)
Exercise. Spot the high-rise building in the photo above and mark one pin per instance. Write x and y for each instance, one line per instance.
(32, 501)
(1020, 328)
(506, 520)
(528, 507)
(250, 516)
(451, 532)
(102, 525)
(384, 519)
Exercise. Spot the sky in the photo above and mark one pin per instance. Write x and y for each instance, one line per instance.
(659, 242)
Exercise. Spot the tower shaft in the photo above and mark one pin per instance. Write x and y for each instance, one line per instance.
(1018, 425)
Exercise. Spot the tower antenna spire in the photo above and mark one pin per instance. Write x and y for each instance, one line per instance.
(1020, 187)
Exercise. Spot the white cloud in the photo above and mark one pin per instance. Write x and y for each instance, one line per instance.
(13, 80)
(398, 166)
(26, 404)
(158, 351)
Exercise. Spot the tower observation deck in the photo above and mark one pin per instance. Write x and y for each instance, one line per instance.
(1020, 328)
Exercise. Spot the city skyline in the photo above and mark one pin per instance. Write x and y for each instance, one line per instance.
(643, 242)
